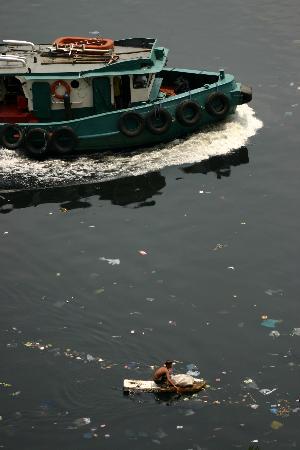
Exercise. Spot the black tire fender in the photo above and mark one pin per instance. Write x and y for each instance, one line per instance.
(126, 118)
(8, 131)
(217, 104)
(164, 118)
(181, 116)
(37, 142)
(63, 140)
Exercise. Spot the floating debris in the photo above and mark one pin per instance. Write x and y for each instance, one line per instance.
(274, 292)
(274, 333)
(270, 323)
(267, 391)
(113, 262)
(99, 291)
(276, 425)
(82, 421)
(192, 370)
(219, 247)
(38, 345)
(4, 384)
(15, 394)
(250, 383)
(296, 332)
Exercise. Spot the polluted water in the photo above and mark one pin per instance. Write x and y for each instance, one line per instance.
(17, 171)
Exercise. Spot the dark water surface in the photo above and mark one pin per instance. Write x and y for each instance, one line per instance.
(82, 308)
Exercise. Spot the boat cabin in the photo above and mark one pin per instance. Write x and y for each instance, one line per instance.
(77, 77)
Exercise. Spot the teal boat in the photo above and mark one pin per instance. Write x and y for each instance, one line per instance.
(95, 94)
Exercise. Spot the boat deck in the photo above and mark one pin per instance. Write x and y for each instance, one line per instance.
(45, 58)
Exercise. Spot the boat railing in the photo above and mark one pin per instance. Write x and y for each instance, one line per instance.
(13, 59)
(16, 43)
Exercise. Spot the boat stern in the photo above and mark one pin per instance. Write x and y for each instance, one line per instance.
(245, 94)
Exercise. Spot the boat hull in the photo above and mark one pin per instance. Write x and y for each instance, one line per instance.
(102, 132)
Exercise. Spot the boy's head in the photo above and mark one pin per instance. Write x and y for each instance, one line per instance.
(168, 364)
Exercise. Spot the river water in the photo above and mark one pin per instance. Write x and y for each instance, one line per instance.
(111, 264)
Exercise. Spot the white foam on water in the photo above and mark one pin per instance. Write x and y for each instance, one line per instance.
(17, 170)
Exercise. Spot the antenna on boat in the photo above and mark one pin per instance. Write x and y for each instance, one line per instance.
(95, 33)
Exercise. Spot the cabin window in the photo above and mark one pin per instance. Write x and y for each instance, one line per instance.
(140, 81)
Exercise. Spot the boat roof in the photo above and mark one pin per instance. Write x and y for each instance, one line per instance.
(128, 56)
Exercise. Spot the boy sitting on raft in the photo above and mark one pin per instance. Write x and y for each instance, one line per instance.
(162, 376)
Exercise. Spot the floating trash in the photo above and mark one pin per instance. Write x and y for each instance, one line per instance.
(4, 384)
(15, 394)
(270, 323)
(274, 333)
(219, 247)
(267, 391)
(192, 370)
(275, 425)
(296, 332)
(82, 421)
(99, 291)
(193, 373)
(250, 383)
(38, 345)
(274, 292)
(110, 261)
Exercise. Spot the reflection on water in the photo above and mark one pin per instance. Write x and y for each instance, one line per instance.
(138, 190)
(221, 165)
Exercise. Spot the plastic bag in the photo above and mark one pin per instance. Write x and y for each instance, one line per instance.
(182, 379)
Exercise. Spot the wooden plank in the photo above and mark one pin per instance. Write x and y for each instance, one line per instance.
(151, 386)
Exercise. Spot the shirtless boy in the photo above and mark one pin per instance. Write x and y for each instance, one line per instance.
(162, 375)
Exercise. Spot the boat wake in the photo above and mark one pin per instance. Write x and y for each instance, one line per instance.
(17, 171)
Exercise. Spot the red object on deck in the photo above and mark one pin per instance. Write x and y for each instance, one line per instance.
(169, 91)
(16, 114)
(88, 44)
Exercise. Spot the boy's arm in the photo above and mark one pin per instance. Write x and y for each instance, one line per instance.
(171, 381)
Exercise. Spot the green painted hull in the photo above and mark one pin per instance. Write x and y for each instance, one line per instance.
(101, 132)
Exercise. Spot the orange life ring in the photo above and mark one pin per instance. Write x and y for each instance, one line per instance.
(78, 42)
(55, 85)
